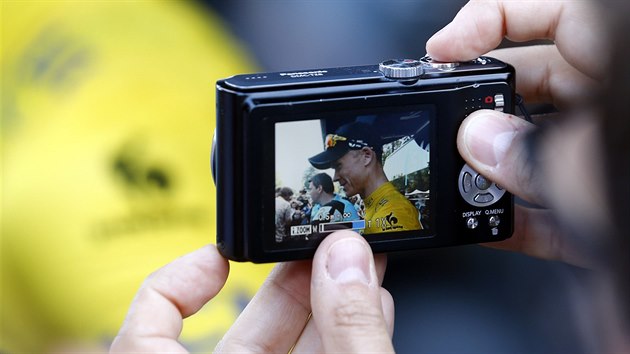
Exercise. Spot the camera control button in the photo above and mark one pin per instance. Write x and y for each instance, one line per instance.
(472, 223)
(499, 102)
(481, 60)
(494, 221)
(482, 182)
(467, 182)
(401, 68)
(483, 198)
(439, 65)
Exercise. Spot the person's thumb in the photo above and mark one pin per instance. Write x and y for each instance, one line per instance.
(350, 309)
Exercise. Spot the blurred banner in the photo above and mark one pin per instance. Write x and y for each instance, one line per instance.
(107, 121)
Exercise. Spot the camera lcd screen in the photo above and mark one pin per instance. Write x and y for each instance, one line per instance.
(368, 171)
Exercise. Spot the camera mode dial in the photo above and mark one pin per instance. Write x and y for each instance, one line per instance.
(401, 68)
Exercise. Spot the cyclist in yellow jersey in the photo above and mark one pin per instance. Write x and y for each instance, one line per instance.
(355, 156)
(388, 210)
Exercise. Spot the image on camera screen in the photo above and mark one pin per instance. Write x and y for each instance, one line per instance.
(366, 171)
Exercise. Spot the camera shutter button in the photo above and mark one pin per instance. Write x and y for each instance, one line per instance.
(439, 65)
(401, 68)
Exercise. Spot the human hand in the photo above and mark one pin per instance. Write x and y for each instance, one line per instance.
(496, 144)
(351, 312)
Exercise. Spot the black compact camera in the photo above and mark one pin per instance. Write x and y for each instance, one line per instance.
(300, 154)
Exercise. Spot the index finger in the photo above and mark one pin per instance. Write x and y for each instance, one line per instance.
(167, 296)
(481, 25)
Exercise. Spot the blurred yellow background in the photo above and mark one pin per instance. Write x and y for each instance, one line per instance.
(107, 120)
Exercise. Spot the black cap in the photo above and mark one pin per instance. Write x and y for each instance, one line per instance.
(351, 136)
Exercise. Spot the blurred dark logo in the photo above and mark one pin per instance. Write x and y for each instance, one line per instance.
(137, 175)
(52, 65)
(148, 188)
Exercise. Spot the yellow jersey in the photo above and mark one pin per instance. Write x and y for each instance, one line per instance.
(107, 122)
(387, 210)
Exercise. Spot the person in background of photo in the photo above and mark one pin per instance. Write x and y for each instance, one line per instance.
(285, 213)
(355, 155)
(303, 198)
(331, 206)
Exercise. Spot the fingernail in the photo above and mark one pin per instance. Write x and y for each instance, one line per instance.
(488, 138)
(349, 262)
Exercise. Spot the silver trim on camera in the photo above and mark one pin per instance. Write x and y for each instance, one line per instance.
(476, 189)
(401, 68)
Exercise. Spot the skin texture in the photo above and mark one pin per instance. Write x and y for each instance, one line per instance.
(349, 172)
(358, 172)
(495, 144)
(565, 176)
(341, 287)
(318, 195)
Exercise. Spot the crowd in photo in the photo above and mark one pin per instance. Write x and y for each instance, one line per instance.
(323, 201)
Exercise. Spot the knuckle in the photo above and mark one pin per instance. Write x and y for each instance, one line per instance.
(357, 314)
(531, 182)
(526, 178)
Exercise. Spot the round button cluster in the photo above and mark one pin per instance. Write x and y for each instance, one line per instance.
(476, 189)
